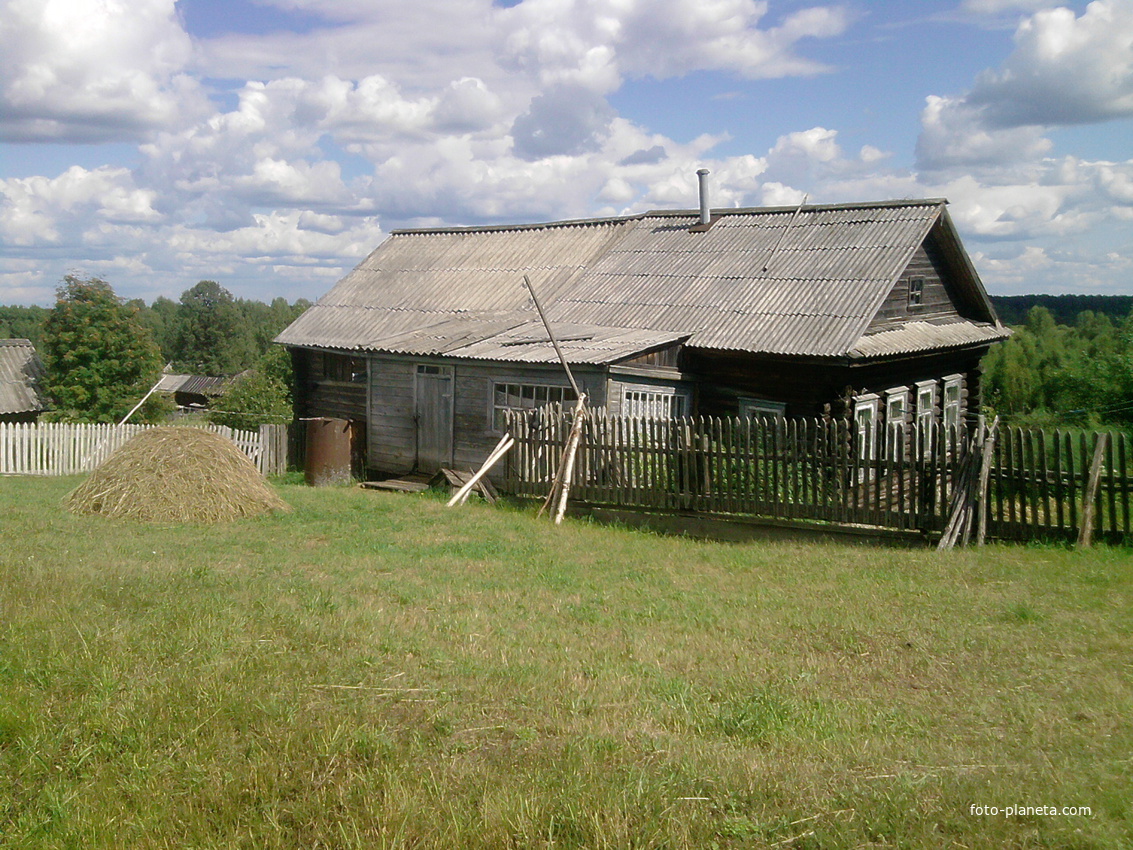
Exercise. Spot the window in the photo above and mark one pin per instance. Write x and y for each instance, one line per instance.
(654, 404)
(896, 404)
(926, 415)
(761, 408)
(344, 368)
(952, 402)
(865, 421)
(507, 397)
(916, 291)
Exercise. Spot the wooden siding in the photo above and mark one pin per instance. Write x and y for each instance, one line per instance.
(669, 357)
(392, 427)
(392, 424)
(816, 389)
(938, 299)
(475, 436)
(315, 395)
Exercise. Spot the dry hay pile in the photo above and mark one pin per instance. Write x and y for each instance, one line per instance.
(176, 475)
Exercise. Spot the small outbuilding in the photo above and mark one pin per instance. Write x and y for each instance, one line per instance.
(871, 312)
(21, 382)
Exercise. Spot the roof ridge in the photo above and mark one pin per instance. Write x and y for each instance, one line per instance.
(675, 213)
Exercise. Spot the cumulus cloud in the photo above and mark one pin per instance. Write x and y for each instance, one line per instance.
(93, 70)
(566, 119)
(597, 43)
(1064, 69)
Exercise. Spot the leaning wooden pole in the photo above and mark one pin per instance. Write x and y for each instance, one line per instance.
(985, 476)
(565, 472)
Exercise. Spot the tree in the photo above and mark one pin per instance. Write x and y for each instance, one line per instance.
(262, 396)
(212, 337)
(100, 360)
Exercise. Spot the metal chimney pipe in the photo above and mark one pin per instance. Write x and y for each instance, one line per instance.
(705, 213)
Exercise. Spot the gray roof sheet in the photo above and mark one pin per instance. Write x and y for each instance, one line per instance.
(774, 280)
(20, 374)
(925, 336)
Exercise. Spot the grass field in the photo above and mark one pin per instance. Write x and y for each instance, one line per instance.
(375, 670)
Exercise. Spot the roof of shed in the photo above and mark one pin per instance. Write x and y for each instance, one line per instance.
(515, 337)
(21, 371)
(782, 280)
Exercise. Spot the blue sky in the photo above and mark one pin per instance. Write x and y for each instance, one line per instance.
(271, 144)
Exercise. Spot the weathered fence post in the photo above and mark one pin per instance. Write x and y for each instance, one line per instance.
(1085, 534)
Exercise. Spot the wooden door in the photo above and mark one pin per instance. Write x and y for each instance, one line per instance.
(434, 417)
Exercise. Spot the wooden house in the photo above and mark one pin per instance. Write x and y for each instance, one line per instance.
(866, 311)
(21, 375)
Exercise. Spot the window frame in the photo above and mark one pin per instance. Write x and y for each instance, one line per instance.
(524, 391)
(758, 408)
(866, 432)
(952, 409)
(915, 293)
(895, 398)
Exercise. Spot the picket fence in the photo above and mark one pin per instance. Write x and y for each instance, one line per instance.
(62, 448)
(1033, 484)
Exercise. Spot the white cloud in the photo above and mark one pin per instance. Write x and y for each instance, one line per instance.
(92, 70)
(34, 209)
(597, 43)
(955, 134)
(1064, 69)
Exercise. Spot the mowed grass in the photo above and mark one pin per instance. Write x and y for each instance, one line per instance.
(375, 670)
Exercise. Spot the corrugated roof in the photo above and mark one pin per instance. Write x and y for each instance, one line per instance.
(924, 336)
(21, 372)
(772, 280)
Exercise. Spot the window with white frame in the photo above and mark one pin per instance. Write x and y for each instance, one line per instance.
(865, 422)
(896, 409)
(761, 408)
(655, 403)
(951, 406)
(926, 415)
(507, 397)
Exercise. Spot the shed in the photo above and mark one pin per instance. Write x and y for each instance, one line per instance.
(21, 375)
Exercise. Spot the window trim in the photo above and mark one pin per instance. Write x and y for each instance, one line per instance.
(895, 428)
(951, 412)
(866, 433)
(752, 408)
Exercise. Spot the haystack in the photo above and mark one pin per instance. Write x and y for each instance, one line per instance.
(176, 475)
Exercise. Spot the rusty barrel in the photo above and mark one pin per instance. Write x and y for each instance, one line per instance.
(328, 452)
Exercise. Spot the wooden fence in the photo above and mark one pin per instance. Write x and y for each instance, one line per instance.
(814, 470)
(67, 448)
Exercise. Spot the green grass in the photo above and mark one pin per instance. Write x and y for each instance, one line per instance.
(375, 670)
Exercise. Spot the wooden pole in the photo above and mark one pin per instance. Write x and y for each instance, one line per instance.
(571, 451)
(985, 475)
(1086, 533)
(551, 334)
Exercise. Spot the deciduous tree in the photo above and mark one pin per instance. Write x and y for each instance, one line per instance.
(100, 359)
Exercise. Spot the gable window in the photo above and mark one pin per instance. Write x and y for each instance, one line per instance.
(916, 291)
(507, 397)
(896, 405)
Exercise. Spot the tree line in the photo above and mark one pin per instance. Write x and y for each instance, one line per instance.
(1051, 373)
(103, 354)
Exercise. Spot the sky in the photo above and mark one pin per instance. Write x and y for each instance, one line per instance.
(270, 145)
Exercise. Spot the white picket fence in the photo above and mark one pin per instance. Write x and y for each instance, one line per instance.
(60, 448)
